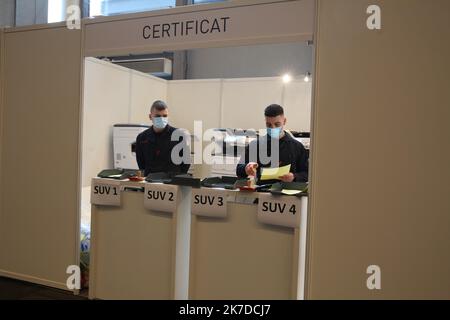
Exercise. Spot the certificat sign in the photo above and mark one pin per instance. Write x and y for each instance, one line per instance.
(160, 197)
(279, 210)
(209, 203)
(105, 192)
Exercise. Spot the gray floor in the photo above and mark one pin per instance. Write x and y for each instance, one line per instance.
(19, 290)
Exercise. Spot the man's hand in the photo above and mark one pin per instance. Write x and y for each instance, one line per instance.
(250, 169)
(287, 177)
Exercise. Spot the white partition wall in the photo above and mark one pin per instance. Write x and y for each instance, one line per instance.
(144, 90)
(297, 105)
(112, 95)
(244, 101)
(238, 103)
(39, 154)
(106, 100)
(192, 100)
(387, 93)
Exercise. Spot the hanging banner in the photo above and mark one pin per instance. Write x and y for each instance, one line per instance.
(238, 24)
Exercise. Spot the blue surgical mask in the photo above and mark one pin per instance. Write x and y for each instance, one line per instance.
(274, 133)
(160, 122)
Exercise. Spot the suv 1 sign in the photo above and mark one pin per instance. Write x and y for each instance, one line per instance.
(106, 192)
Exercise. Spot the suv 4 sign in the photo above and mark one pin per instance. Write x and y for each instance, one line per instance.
(279, 210)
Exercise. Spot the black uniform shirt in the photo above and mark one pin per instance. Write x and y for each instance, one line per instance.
(153, 151)
(291, 152)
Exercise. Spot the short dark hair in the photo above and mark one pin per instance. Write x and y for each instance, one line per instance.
(158, 105)
(274, 110)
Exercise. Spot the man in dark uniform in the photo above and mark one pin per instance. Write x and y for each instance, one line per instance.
(290, 151)
(154, 146)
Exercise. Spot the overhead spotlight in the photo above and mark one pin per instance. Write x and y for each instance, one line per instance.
(307, 77)
(287, 78)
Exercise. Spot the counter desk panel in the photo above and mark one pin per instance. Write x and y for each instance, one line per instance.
(207, 244)
(139, 253)
(239, 257)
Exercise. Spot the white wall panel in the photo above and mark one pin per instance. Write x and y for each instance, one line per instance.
(145, 90)
(244, 101)
(191, 100)
(297, 105)
(39, 222)
(381, 195)
(106, 102)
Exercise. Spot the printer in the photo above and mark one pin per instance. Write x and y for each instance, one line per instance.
(124, 145)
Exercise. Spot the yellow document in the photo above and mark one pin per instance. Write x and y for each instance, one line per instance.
(274, 173)
(290, 192)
